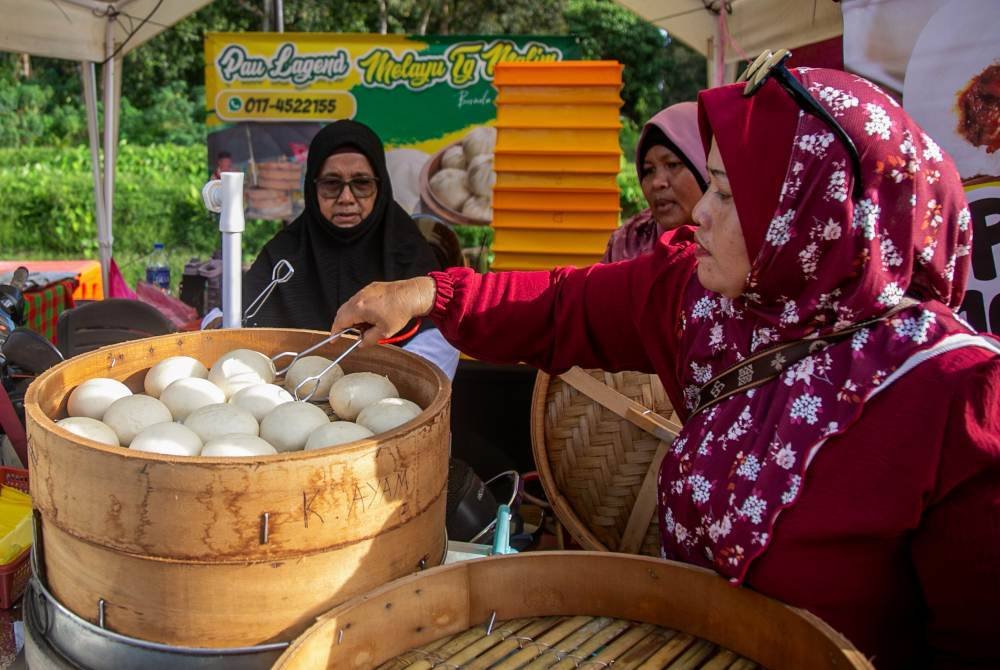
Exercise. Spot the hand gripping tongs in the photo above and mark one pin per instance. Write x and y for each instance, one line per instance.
(315, 379)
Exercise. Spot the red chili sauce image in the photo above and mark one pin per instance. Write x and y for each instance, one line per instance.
(979, 109)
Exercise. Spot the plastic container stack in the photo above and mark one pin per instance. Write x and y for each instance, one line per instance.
(557, 157)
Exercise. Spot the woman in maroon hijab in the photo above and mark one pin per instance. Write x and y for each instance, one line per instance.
(671, 167)
(841, 441)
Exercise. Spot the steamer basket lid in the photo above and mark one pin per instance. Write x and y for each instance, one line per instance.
(593, 484)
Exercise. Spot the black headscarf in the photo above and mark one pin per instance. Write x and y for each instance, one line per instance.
(332, 264)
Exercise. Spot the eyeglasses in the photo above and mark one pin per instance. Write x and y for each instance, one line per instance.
(361, 187)
(772, 64)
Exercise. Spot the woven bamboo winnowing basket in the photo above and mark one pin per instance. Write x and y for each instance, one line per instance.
(556, 610)
(598, 438)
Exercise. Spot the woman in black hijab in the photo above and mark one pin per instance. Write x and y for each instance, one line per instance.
(351, 233)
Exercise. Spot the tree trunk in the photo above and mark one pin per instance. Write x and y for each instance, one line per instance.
(267, 24)
(445, 17)
(25, 66)
(426, 18)
(383, 16)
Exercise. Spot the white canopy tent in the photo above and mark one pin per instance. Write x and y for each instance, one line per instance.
(92, 32)
(752, 25)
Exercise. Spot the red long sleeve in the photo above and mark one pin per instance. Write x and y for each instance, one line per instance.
(956, 550)
(895, 541)
(608, 316)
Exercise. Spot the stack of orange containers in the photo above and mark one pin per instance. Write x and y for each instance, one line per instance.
(557, 156)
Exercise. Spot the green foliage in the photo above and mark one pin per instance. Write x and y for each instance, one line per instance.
(174, 116)
(47, 205)
(176, 56)
(470, 237)
(37, 111)
(163, 94)
(630, 196)
(658, 72)
(499, 17)
(46, 189)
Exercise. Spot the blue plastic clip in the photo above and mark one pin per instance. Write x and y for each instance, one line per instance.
(501, 534)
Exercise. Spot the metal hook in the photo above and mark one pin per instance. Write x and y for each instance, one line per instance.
(265, 527)
(281, 273)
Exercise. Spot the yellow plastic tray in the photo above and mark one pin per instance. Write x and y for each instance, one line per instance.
(559, 73)
(16, 539)
(582, 140)
(603, 221)
(551, 161)
(518, 261)
(559, 95)
(579, 115)
(558, 181)
(564, 241)
(504, 198)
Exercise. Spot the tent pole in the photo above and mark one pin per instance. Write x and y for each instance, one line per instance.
(89, 75)
(110, 146)
(719, 50)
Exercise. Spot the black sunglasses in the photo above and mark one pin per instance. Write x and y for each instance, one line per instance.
(361, 187)
(772, 64)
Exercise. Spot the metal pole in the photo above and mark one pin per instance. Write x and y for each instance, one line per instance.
(110, 138)
(719, 52)
(89, 75)
(231, 225)
(279, 15)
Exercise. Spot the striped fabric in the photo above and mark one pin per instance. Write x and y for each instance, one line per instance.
(43, 306)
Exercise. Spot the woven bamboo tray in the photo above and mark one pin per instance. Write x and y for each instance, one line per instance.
(568, 610)
(598, 438)
(566, 643)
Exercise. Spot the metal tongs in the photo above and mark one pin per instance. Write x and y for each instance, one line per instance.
(315, 379)
(281, 273)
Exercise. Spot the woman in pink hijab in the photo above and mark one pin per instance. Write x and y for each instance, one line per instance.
(671, 167)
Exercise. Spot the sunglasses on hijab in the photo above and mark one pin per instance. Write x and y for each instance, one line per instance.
(771, 65)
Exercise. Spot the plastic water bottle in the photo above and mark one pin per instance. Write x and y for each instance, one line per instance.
(158, 271)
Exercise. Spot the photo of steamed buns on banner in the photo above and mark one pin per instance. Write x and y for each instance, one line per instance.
(278, 181)
(404, 167)
(457, 182)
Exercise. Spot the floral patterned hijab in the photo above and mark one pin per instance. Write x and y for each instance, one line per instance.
(820, 262)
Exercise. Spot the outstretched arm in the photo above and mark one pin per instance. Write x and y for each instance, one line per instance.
(552, 320)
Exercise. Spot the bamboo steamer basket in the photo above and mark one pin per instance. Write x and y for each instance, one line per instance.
(223, 552)
(568, 610)
(598, 439)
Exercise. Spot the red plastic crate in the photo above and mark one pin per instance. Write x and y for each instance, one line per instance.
(14, 575)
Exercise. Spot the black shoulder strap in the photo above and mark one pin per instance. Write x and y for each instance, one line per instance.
(770, 363)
